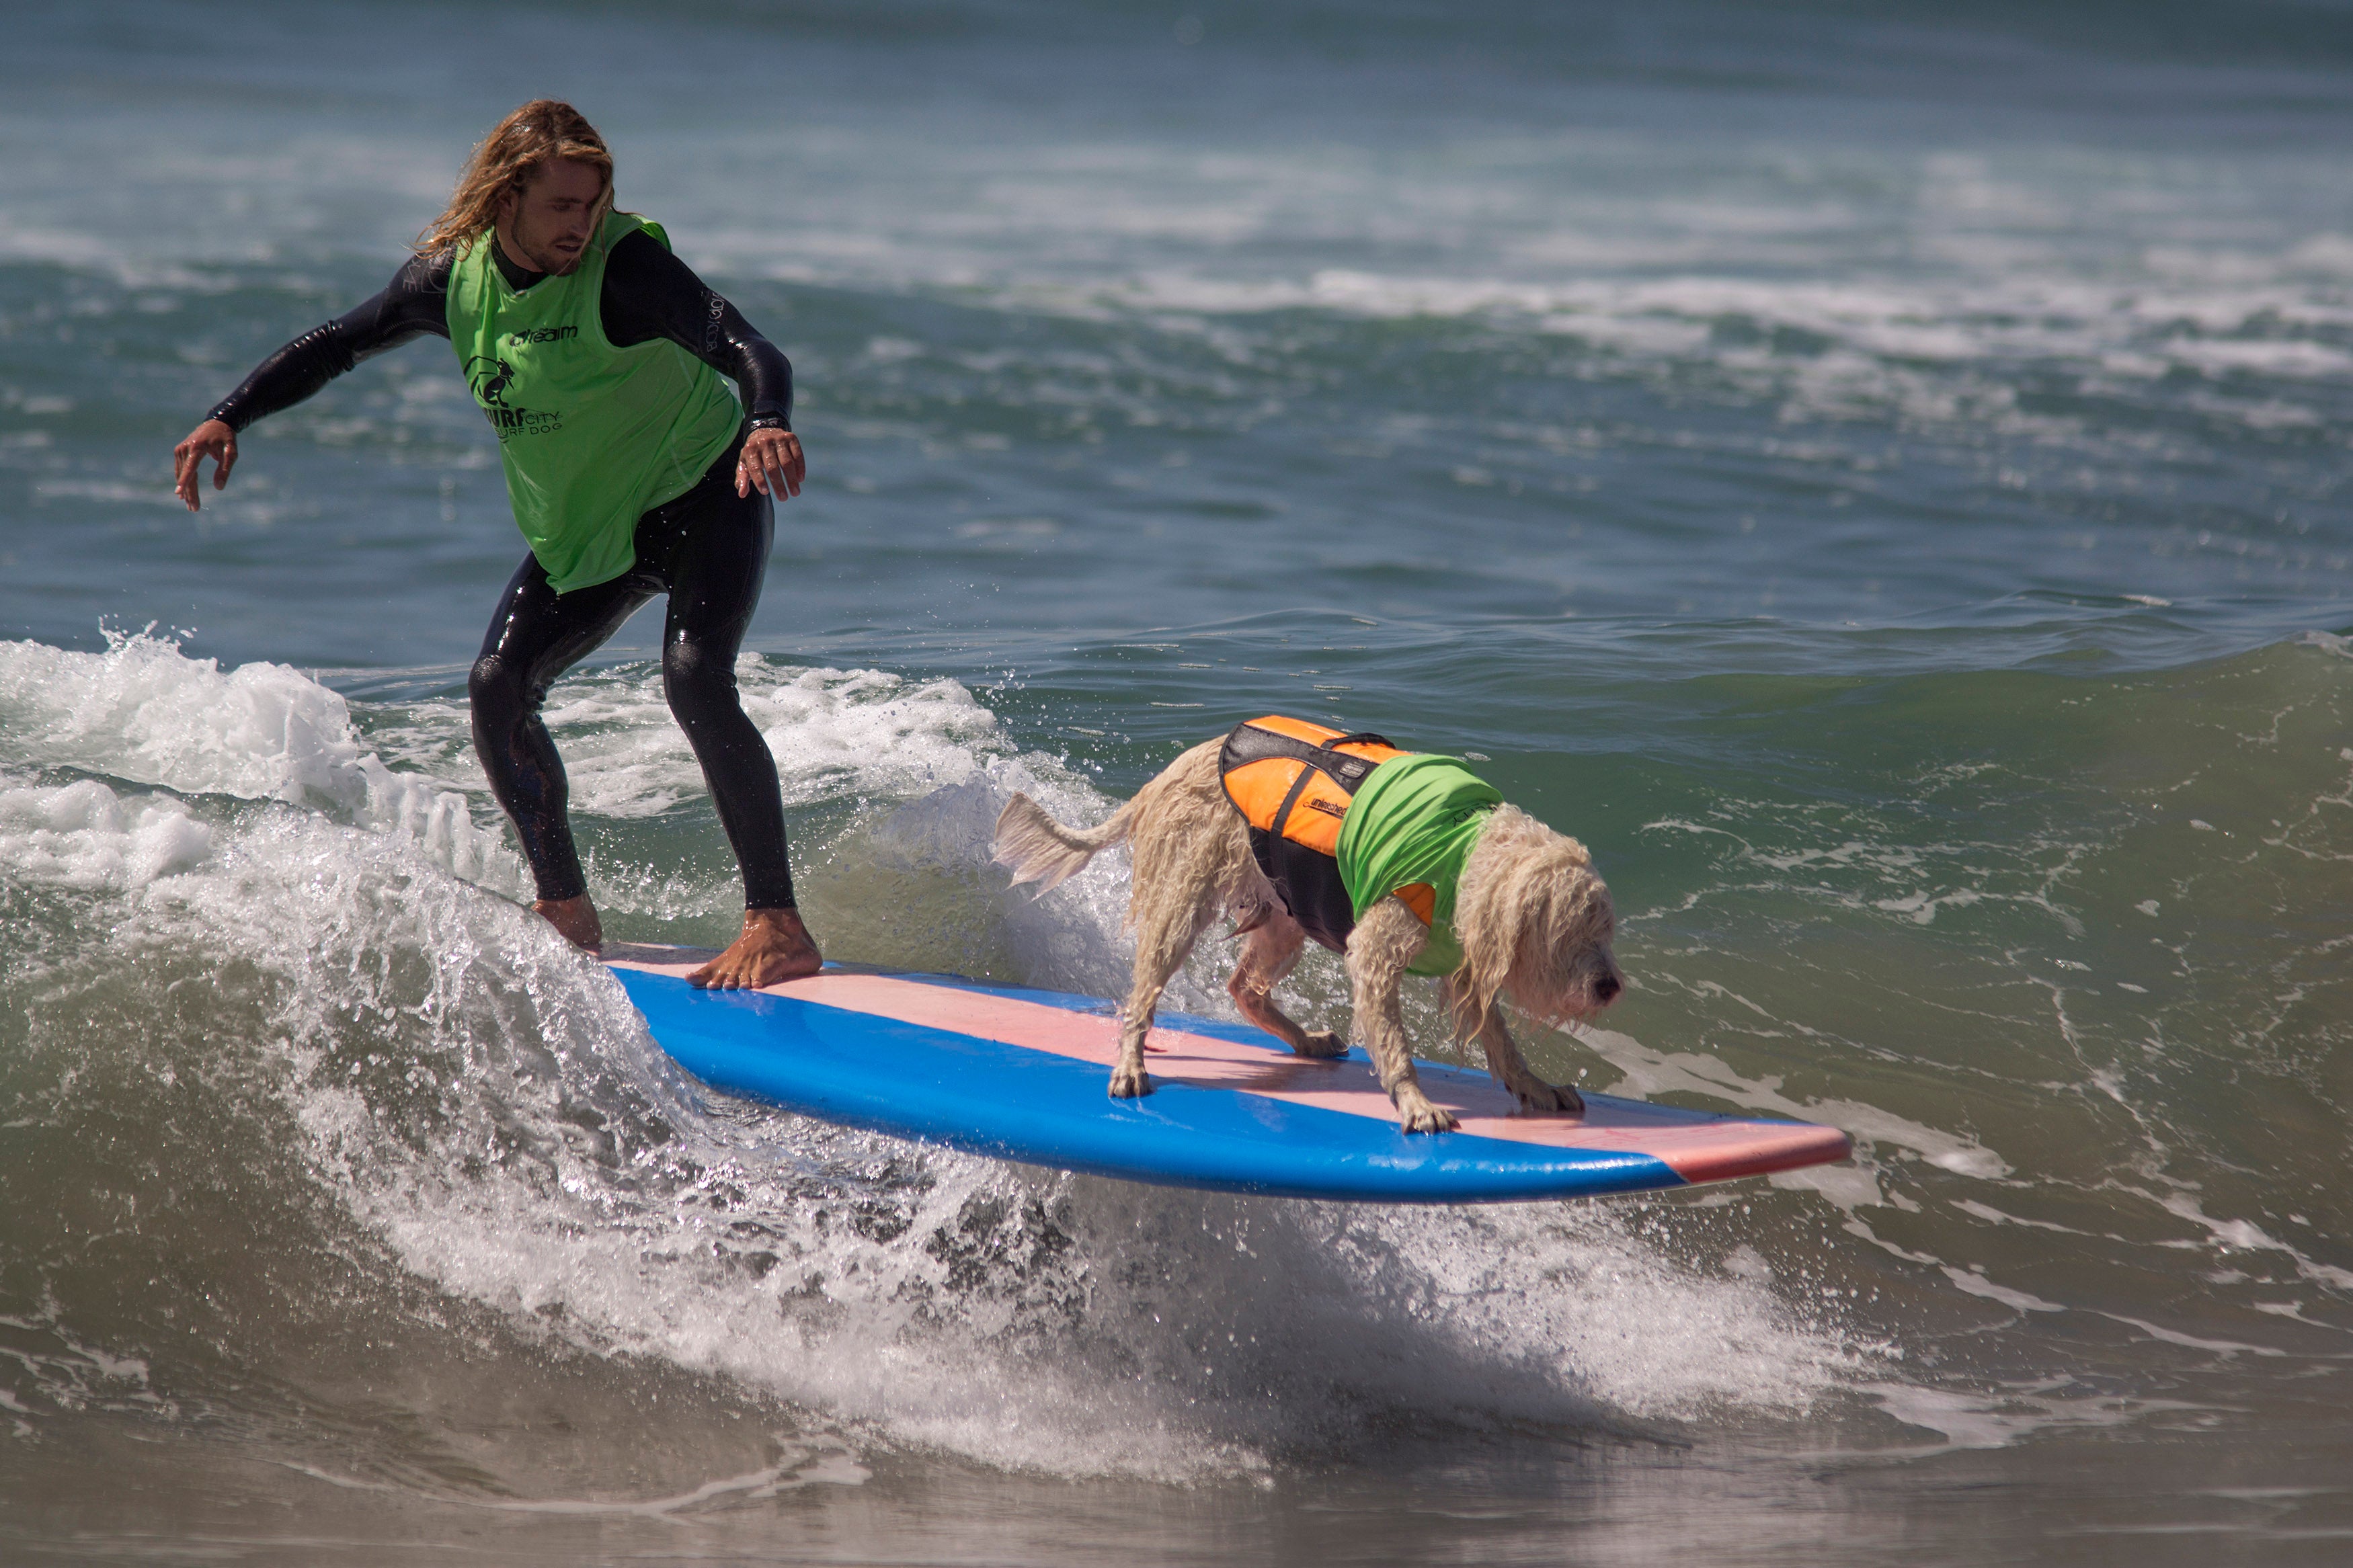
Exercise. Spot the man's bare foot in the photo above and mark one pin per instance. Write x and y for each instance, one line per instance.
(576, 917)
(775, 946)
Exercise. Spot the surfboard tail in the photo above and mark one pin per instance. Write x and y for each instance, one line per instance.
(1037, 849)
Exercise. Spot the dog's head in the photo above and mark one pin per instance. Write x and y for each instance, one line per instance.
(1535, 922)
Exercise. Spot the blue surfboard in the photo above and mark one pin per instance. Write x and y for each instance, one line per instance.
(1020, 1074)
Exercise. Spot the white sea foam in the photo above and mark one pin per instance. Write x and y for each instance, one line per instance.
(1999, 1416)
(835, 734)
(1087, 1328)
(86, 836)
(1940, 348)
(1649, 1073)
(2245, 1234)
(144, 712)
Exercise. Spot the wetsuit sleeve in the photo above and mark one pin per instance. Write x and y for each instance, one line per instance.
(649, 293)
(414, 303)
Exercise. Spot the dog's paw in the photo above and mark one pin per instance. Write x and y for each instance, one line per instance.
(1543, 1097)
(1130, 1083)
(1416, 1114)
(1322, 1043)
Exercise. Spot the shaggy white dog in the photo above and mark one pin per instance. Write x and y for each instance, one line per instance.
(1534, 922)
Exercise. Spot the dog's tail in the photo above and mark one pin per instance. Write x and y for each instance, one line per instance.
(1041, 850)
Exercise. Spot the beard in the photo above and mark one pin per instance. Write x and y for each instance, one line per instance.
(540, 255)
(554, 263)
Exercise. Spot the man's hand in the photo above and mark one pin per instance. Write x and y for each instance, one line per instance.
(214, 440)
(772, 459)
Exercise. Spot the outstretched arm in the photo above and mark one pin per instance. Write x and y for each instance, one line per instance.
(414, 304)
(649, 293)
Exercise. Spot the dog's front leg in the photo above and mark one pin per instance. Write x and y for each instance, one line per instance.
(1380, 947)
(1510, 1067)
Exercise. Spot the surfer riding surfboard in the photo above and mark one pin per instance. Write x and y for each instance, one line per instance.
(597, 356)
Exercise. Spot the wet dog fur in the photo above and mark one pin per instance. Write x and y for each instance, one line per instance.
(1534, 923)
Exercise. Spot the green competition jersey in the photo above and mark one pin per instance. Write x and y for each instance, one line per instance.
(1415, 819)
(592, 436)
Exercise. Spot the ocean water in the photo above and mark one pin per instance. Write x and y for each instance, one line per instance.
(1877, 475)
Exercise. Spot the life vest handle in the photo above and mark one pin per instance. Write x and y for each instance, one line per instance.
(1361, 738)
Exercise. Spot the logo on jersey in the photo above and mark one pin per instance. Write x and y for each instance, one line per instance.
(490, 379)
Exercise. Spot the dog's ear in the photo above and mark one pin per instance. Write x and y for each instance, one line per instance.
(1533, 909)
(1490, 909)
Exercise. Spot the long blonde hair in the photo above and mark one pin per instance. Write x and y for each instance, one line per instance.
(506, 161)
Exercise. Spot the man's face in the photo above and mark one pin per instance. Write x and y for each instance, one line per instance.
(547, 227)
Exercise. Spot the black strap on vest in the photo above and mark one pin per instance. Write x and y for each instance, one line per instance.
(1307, 882)
(1248, 743)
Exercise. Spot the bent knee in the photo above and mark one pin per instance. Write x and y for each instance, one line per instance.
(497, 690)
(696, 680)
(491, 678)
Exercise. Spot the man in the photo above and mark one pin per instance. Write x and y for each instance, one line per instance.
(597, 356)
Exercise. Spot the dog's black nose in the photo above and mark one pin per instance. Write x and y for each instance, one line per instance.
(1606, 989)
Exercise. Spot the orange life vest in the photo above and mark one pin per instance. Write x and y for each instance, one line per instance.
(1293, 781)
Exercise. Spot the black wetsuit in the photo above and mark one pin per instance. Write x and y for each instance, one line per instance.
(707, 549)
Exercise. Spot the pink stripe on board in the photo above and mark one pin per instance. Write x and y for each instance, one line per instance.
(1697, 1152)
